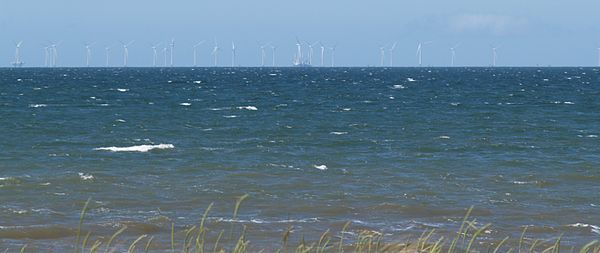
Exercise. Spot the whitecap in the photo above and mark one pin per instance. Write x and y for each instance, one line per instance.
(230, 116)
(321, 167)
(139, 148)
(85, 177)
(398, 86)
(410, 79)
(122, 90)
(120, 120)
(198, 82)
(444, 137)
(37, 105)
(591, 136)
(185, 104)
(249, 107)
(339, 133)
(568, 103)
(594, 228)
(346, 109)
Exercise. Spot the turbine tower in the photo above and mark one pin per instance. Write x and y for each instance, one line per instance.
(333, 55)
(155, 54)
(88, 53)
(215, 53)
(165, 50)
(382, 55)
(392, 53)
(263, 54)
(298, 59)
(420, 52)
(107, 52)
(273, 48)
(322, 54)
(195, 47)
(453, 54)
(54, 53)
(310, 52)
(46, 55)
(232, 54)
(126, 52)
(18, 63)
(172, 45)
(494, 55)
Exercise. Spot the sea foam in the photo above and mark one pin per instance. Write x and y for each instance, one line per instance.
(138, 148)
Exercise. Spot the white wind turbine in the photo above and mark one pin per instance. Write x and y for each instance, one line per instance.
(263, 54)
(232, 54)
(107, 52)
(299, 53)
(453, 54)
(381, 55)
(310, 52)
(420, 52)
(195, 47)
(46, 55)
(88, 53)
(155, 54)
(273, 49)
(599, 57)
(172, 45)
(392, 53)
(126, 52)
(54, 53)
(18, 62)
(165, 51)
(494, 55)
(333, 55)
(215, 53)
(322, 54)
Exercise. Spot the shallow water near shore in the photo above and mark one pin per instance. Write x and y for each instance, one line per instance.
(397, 150)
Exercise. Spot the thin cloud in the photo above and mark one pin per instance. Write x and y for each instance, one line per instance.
(488, 23)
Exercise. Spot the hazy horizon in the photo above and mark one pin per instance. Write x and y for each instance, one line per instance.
(536, 33)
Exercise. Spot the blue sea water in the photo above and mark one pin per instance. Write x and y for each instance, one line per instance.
(397, 150)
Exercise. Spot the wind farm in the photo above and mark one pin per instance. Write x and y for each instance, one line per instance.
(300, 53)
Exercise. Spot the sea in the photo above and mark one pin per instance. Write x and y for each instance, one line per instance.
(399, 151)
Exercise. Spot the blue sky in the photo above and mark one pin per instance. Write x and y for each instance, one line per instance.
(528, 32)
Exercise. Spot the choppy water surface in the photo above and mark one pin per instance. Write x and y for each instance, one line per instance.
(394, 150)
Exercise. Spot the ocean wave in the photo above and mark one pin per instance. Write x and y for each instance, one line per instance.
(249, 107)
(594, 228)
(185, 104)
(321, 167)
(260, 221)
(37, 105)
(85, 176)
(138, 148)
(338, 133)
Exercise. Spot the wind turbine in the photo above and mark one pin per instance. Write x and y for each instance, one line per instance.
(126, 52)
(599, 57)
(273, 48)
(322, 54)
(310, 52)
(165, 51)
(494, 55)
(54, 53)
(107, 51)
(333, 55)
(263, 54)
(172, 45)
(88, 53)
(299, 53)
(232, 54)
(215, 52)
(453, 54)
(46, 56)
(18, 62)
(155, 54)
(420, 52)
(392, 53)
(382, 55)
(195, 47)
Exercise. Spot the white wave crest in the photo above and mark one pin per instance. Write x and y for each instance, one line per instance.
(37, 105)
(139, 148)
(321, 167)
(249, 107)
(595, 229)
(85, 177)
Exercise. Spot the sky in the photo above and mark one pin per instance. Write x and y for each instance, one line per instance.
(525, 32)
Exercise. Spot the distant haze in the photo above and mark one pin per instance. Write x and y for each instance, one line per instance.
(527, 33)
